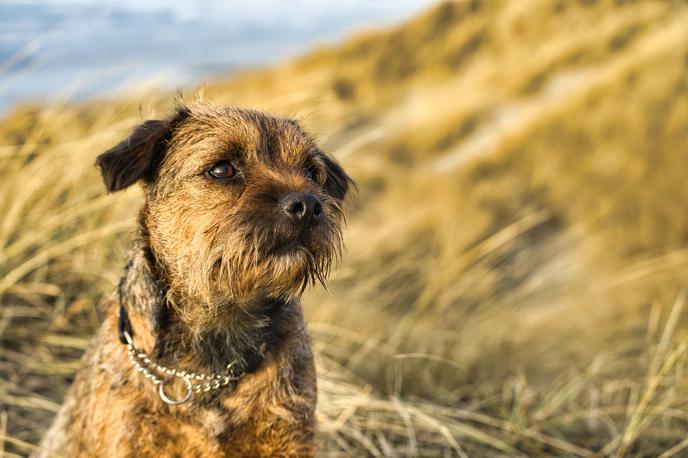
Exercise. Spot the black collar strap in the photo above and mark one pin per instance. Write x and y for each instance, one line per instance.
(123, 324)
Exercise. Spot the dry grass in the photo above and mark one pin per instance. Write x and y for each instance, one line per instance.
(518, 250)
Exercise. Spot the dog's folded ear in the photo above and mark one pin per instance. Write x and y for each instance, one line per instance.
(337, 182)
(138, 157)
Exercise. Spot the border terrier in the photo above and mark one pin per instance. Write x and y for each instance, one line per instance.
(204, 350)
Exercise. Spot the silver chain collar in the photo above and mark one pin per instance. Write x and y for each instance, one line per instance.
(195, 383)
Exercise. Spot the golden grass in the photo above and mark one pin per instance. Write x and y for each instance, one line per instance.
(517, 254)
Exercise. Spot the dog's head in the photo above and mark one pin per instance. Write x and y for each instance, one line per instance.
(238, 203)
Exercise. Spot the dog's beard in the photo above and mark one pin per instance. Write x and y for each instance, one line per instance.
(247, 260)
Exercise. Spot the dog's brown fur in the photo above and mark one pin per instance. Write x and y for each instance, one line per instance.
(214, 277)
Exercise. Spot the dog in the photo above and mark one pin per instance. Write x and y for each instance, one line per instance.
(204, 350)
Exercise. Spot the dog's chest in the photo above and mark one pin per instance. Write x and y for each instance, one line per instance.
(214, 424)
(213, 433)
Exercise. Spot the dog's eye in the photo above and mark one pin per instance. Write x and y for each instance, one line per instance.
(222, 170)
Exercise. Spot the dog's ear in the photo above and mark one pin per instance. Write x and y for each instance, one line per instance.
(139, 156)
(337, 182)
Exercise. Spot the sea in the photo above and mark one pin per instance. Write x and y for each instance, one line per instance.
(73, 49)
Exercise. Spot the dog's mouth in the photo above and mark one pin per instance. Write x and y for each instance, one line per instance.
(279, 262)
(276, 257)
(288, 247)
(299, 245)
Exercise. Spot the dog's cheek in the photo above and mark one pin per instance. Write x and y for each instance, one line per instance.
(180, 234)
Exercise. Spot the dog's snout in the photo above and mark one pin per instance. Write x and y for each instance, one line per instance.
(302, 207)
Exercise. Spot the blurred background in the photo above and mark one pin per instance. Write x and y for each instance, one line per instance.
(79, 48)
(517, 257)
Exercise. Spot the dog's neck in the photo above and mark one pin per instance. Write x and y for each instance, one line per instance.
(245, 333)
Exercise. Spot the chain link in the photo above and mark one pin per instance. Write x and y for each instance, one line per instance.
(152, 371)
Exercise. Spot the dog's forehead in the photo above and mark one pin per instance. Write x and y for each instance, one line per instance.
(256, 136)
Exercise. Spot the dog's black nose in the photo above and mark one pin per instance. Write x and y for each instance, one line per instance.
(302, 207)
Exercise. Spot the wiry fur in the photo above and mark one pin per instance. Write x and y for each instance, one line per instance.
(214, 277)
